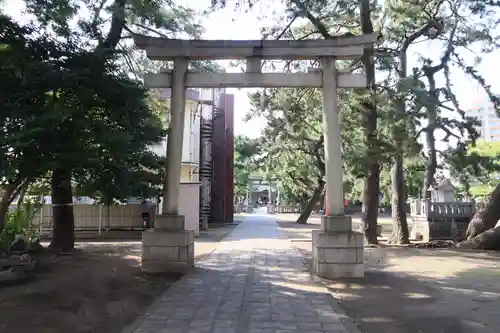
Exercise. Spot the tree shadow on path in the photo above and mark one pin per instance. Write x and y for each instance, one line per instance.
(422, 291)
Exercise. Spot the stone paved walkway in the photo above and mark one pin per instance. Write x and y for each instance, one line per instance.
(254, 282)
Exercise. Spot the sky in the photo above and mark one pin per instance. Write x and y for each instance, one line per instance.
(230, 23)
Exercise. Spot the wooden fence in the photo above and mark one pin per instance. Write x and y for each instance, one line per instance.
(95, 217)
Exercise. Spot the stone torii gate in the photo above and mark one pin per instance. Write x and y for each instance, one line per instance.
(337, 249)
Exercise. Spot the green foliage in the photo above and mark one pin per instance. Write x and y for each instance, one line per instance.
(27, 79)
(292, 143)
(20, 222)
(112, 22)
(65, 106)
(410, 103)
(246, 150)
(476, 166)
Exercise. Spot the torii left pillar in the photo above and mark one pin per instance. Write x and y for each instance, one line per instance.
(337, 249)
(169, 248)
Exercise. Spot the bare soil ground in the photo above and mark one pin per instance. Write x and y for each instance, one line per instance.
(409, 290)
(98, 289)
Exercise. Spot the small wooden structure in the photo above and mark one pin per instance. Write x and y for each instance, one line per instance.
(440, 220)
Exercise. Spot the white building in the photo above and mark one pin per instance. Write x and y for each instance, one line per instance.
(191, 141)
(490, 122)
(199, 103)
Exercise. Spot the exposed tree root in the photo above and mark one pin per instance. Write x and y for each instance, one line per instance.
(437, 244)
(488, 240)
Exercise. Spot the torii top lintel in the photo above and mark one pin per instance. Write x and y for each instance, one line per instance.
(342, 47)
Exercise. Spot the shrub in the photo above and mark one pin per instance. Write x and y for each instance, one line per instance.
(19, 223)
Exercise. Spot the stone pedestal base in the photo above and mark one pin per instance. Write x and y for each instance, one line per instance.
(167, 248)
(337, 250)
(438, 229)
(166, 222)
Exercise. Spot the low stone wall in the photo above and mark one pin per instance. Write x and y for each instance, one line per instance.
(242, 209)
(288, 209)
(440, 220)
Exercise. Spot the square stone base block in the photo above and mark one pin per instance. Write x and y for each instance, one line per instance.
(167, 251)
(169, 222)
(336, 223)
(337, 254)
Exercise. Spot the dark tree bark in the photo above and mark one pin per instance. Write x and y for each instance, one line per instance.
(431, 164)
(400, 234)
(318, 191)
(432, 116)
(8, 194)
(306, 212)
(369, 210)
(63, 238)
(371, 187)
(488, 240)
(485, 218)
(4, 204)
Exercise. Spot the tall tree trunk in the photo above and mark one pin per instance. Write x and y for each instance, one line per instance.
(22, 194)
(400, 234)
(432, 114)
(431, 165)
(63, 239)
(486, 218)
(369, 210)
(371, 187)
(313, 201)
(8, 193)
(432, 117)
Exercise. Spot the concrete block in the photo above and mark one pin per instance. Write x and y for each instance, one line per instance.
(336, 271)
(164, 253)
(326, 239)
(159, 267)
(360, 255)
(169, 222)
(342, 223)
(337, 255)
(167, 238)
(186, 252)
(167, 251)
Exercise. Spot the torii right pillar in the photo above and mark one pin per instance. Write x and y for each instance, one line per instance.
(337, 249)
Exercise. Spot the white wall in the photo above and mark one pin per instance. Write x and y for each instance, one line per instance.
(191, 139)
(189, 206)
(191, 144)
(442, 196)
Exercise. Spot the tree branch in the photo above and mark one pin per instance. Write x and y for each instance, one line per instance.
(95, 20)
(429, 71)
(116, 26)
(314, 20)
(287, 27)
